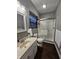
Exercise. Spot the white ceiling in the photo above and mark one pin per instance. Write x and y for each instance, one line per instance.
(51, 5)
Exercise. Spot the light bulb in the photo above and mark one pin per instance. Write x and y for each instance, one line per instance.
(44, 5)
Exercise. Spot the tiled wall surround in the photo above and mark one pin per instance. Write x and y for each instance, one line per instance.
(21, 35)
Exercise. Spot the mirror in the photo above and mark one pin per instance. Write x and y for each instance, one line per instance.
(21, 22)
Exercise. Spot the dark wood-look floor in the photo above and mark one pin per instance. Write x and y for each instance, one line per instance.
(48, 51)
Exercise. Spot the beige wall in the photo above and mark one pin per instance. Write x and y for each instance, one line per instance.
(58, 17)
(58, 26)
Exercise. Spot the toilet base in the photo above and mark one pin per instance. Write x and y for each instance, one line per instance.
(40, 44)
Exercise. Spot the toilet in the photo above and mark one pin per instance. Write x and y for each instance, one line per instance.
(40, 41)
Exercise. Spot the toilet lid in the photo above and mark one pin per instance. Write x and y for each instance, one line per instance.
(40, 39)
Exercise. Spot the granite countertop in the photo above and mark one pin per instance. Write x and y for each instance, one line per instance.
(24, 46)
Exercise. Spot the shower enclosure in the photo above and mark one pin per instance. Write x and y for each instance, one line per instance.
(46, 29)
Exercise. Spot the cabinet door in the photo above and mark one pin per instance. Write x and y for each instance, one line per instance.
(35, 50)
(24, 57)
(31, 55)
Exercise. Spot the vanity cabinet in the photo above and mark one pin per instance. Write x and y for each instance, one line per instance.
(31, 52)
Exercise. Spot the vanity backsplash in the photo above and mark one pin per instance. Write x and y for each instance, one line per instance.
(21, 35)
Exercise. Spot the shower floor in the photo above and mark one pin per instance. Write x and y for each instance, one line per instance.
(48, 51)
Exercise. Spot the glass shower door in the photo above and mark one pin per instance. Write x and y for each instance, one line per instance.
(46, 29)
(50, 30)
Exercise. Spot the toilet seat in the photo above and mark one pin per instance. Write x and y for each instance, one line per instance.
(40, 40)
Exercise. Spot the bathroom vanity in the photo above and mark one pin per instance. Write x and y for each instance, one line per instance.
(27, 49)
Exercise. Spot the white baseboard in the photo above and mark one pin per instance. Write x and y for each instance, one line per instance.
(57, 50)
